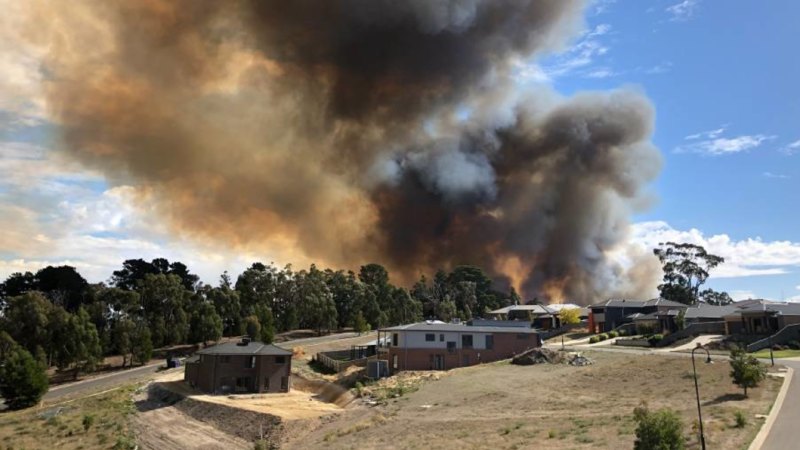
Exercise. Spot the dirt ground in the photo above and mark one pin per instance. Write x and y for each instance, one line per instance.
(500, 405)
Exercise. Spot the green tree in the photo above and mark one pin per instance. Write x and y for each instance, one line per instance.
(86, 348)
(659, 430)
(713, 297)
(569, 315)
(121, 339)
(226, 303)
(267, 322)
(446, 310)
(24, 379)
(205, 325)
(142, 345)
(686, 267)
(360, 324)
(26, 319)
(164, 300)
(252, 326)
(746, 370)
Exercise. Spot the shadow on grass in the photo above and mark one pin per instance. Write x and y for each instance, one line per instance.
(318, 367)
(726, 398)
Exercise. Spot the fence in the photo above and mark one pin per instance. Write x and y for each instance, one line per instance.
(693, 330)
(632, 342)
(340, 360)
(786, 334)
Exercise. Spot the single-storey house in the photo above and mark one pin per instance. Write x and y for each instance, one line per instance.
(442, 346)
(539, 316)
(762, 317)
(703, 312)
(240, 367)
(606, 316)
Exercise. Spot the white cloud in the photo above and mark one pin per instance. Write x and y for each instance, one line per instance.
(602, 6)
(712, 143)
(682, 11)
(659, 68)
(581, 55)
(779, 176)
(743, 258)
(602, 72)
(792, 148)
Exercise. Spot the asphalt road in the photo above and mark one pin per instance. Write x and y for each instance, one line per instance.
(784, 433)
(112, 380)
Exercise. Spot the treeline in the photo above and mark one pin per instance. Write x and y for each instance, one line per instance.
(64, 321)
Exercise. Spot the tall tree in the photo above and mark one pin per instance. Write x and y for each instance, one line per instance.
(142, 345)
(686, 267)
(63, 285)
(26, 320)
(205, 325)
(713, 297)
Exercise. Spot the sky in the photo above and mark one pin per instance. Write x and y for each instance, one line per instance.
(719, 74)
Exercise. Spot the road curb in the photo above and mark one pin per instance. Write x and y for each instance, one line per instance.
(773, 413)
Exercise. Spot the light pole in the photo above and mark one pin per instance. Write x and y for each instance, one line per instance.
(697, 393)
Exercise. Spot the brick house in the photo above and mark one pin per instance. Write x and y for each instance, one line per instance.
(240, 367)
(442, 346)
(606, 316)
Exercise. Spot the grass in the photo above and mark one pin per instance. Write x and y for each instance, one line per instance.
(99, 421)
(777, 353)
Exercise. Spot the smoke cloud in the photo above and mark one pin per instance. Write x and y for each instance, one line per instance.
(348, 131)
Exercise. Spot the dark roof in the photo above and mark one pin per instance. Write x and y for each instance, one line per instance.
(625, 303)
(455, 327)
(252, 348)
(499, 323)
(534, 309)
(192, 359)
(706, 311)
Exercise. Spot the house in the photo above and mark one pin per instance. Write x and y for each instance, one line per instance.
(761, 317)
(539, 316)
(240, 367)
(442, 346)
(608, 315)
(703, 313)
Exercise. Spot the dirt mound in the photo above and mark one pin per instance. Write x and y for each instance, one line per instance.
(324, 391)
(538, 356)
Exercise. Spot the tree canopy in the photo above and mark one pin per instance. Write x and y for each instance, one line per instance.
(686, 267)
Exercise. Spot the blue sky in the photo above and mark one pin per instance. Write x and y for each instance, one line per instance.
(720, 74)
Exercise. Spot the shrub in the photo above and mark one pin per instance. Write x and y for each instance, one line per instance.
(794, 345)
(659, 430)
(655, 339)
(740, 418)
(88, 421)
(551, 434)
(260, 445)
(746, 371)
(622, 332)
(594, 339)
(603, 336)
(24, 379)
(612, 334)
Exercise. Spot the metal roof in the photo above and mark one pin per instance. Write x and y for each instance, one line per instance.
(252, 348)
(536, 309)
(706, 311)
(454, 327)
(625, 303)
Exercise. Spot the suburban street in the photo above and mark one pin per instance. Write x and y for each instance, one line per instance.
(112, 380)
(783, 433)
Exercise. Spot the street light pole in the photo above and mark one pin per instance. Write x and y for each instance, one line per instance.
(771, 356)
(697, 394)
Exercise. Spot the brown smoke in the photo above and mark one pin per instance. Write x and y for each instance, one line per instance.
(357, 130)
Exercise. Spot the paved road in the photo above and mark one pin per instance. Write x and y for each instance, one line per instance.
(112, 380)
(785, 432)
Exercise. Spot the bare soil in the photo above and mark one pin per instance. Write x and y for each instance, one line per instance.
(501, 405)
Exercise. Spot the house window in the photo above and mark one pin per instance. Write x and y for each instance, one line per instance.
(489, 342)
(251, 362)
(243, 384)
(280, 360)
(466, 341)
(441, 338)
(225, 359)
(284, 383)
(394, 362)
(266, 384)
(451, 347)
(394, 339)
(430, 337)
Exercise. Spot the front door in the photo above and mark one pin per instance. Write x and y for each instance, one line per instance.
(438, 362)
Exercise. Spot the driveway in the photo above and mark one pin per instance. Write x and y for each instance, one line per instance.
(784, 432)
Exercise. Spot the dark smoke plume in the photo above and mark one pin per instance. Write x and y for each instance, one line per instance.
(345, 131)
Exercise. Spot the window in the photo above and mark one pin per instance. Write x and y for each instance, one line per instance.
(466, 341)
(250, 363)
(394, 339)
(394, 362)
(284, 383)
(489, 342)
(430, 337)
(451, 347)
(225, 359)
(441, 338)
(280, 360)
(266, 384)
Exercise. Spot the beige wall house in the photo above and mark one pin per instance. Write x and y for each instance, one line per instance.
(442, 346)
(240, 367)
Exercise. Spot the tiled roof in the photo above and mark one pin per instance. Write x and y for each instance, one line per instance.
(252, 348)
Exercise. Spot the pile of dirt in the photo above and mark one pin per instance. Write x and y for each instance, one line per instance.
(538, 356)
(580, 360)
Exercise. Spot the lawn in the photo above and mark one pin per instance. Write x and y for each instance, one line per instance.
(60, 425)
(500, 405)
(777, 353)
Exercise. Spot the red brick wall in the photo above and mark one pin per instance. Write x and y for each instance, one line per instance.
(211, 373)
(505, 346)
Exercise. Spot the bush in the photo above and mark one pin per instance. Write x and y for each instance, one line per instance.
(622, 332)
(794, 345)
(24, 379)
(88, 421)
(740, 418)
(659, 430)
(746, 371)
(612, 334)
(594, 339)
(655, 339)
(603, 336)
